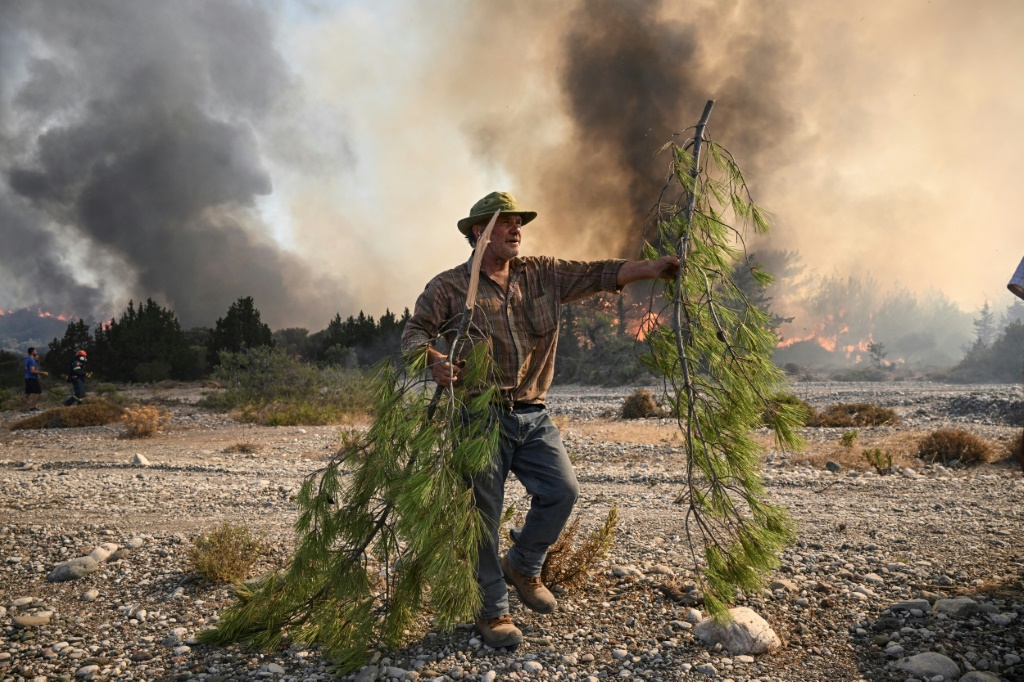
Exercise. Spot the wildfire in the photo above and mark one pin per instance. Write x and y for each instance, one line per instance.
(59, 316)
(828, 342)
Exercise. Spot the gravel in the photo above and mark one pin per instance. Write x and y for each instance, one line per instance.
(892, 578)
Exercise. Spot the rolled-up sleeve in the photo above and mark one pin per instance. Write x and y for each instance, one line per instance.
(578, 279)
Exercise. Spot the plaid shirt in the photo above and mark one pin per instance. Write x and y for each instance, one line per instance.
(521, 328)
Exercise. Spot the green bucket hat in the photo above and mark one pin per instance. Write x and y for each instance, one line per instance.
(485, 208)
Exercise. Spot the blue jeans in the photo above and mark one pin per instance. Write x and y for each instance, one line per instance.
(532, 449)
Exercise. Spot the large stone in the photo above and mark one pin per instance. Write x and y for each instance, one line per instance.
(34, 620)
(748, 633)
(957, 607)
(73, 570)
(929, 664)
(103, 552)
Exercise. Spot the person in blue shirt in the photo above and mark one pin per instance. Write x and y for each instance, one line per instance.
(77, 375)
(33, 389)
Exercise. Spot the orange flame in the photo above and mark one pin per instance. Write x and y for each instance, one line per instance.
(58, 316)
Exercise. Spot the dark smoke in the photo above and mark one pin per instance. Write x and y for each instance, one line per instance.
(632, 75)
(135, 145)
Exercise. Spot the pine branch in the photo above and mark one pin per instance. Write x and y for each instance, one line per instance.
(715, 358)
(376, 545)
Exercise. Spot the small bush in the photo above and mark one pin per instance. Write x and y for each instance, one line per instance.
(880, 459)
(848, 439)
(946, 446)
(92, 413)
(242, 448)
(143, 421)
(1017, 449)
(227, 554)
(640, 404)
(845, 415)
(568, 565)
(269, 387)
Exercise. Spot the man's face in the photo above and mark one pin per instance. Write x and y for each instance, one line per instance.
(505, 237)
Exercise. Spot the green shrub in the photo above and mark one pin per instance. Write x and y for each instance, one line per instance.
(269, 387)
(953, 445)
(880, 459)
(227, 554)
(848, 439)
(639, 404)
(845, 415)
(110, 393)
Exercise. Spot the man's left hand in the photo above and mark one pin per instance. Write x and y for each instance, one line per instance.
(665, 267)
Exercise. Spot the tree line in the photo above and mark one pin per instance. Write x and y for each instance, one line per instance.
(147, 343)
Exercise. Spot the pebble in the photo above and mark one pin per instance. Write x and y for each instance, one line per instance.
(900, 544)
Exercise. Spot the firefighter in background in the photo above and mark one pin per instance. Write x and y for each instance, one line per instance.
(77, 375)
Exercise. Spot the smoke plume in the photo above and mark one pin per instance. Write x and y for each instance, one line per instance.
(176, 146)
(134, 166)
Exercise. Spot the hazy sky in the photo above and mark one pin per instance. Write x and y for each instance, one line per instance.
(317, 155)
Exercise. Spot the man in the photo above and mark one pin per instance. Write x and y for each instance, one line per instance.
(77, 375)
(33, 389)
(517, 312)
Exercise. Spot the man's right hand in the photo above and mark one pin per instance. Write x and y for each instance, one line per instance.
(443, 372)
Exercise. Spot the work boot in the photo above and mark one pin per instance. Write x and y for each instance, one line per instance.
(531, 590)
(500, 632)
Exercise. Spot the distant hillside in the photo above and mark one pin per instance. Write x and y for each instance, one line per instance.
(20, 329)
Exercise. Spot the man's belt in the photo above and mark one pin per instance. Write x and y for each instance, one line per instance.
(507, 404)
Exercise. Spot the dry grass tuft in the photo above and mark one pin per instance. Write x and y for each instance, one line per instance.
(92, 413)
(227, 554)
(1017, 449)
(143, 421)
(242, 448)
(846, 415)
(568, 565)
(954, 445)
(640, 404)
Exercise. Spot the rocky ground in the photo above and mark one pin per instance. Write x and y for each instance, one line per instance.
(923, 561)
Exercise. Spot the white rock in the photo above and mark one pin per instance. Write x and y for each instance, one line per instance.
(140, 460)
(103, 552)
(748, 633)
